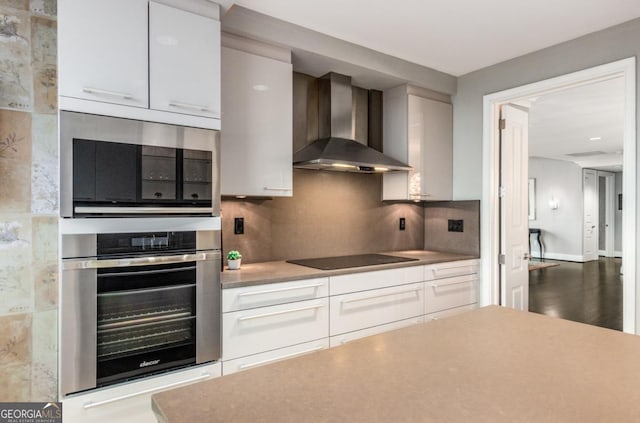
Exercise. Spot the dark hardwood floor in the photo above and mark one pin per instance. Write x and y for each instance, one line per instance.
(588, 292)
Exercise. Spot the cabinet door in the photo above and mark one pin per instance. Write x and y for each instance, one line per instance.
(116, 177)
(366, 309)
(184, 62)
(256, 142)
(268, 328)
(102, 50)
(430, 149)
(443, 294)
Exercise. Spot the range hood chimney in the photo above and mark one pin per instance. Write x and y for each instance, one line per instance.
(336, 149)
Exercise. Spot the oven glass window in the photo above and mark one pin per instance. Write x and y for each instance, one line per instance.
(197, 175)
(145, 321)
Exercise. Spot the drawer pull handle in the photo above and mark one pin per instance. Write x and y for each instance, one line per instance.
(271, 291)
(90, 90)
(91, 404)
(438, 285)
(277, 313)
(282, 357)
(353, 300)
(277, 189)
(189, 106)
(462, 270)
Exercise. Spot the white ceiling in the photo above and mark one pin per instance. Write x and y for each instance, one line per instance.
(453, 36)
(563, 122)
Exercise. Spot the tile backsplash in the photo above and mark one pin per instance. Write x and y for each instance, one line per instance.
(436, 229)
(331, 213)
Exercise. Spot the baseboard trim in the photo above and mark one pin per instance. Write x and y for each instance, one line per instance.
(618, 254)
(558, 256)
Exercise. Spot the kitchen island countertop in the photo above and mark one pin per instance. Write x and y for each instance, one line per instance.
(281, 271)
(488, 365)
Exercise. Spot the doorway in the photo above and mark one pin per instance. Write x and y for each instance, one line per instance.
(608, 231)
(491, 291)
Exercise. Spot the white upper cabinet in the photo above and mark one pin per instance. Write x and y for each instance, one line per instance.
(103, 51)
(418, 131)
(183, 47)
(161, 57)
(256, 139)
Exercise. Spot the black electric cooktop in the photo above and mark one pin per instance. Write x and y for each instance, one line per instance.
(344, 262)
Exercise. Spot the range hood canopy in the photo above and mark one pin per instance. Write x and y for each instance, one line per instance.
(335, 150)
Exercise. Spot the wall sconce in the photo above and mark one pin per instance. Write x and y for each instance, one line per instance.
(553, 204)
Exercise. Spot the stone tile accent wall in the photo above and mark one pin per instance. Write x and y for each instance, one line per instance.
(28, 201)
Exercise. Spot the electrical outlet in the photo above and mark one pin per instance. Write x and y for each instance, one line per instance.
(403, 224)
(456, 225)
(238, 225)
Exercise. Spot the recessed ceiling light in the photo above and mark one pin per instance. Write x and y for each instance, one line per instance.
(261, 87)
(595, 138)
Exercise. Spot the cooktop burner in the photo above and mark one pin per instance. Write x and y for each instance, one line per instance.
(343, 262)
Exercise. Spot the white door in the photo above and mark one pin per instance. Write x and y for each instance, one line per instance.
(514, 222)
(606, 209)
(590, 212)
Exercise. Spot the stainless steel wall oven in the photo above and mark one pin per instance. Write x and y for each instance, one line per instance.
(135, 304)
(122, 167)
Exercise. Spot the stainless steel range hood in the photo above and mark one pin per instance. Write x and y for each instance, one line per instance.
(336, 149)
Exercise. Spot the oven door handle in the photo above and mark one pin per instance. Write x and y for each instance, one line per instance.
(147, 272)
(138, 261)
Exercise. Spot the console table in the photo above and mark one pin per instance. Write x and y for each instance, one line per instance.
(538, 233)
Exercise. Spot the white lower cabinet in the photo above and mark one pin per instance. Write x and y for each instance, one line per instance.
(249, 297)
(255, 360)
(443, 294)
(450, 269)
(365, 309)
(130, 402)
(263, 329)
(336, 341)
(262, 324)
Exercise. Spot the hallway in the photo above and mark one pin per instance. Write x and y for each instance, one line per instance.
(588, 292)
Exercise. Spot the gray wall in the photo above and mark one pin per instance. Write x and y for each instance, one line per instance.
(561, 228)
(598, 48)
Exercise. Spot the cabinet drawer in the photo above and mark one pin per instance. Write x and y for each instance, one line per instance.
(344, 284)
(443, 294)
(256, 360)
(450, 269)
(336, 341)
(366, 309)
(450, 312)
(130, 401)
(268, 328)
(277, 293)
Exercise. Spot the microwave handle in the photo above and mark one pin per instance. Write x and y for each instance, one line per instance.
(138, 261)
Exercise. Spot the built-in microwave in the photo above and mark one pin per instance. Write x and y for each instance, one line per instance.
(122, 167)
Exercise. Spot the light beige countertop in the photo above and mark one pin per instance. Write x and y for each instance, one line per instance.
(281, 271)
(487, 365)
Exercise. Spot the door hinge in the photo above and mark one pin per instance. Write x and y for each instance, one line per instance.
(502, 259)
(502, 191)
(503, 123)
